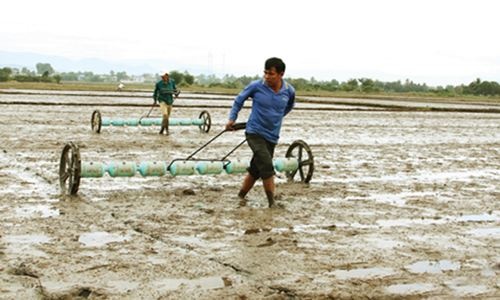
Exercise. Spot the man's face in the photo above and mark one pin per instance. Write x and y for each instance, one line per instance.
(272, 77)
(165, 77)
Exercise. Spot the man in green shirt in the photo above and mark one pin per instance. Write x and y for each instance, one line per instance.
(164, 93)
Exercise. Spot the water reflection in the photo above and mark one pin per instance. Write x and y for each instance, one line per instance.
(435, 267)
(167, 284)
(100, 238)
(410, 288)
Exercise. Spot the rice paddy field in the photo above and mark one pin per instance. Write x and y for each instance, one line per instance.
(404, 203)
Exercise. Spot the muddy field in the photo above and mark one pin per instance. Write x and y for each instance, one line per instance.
(402, 204)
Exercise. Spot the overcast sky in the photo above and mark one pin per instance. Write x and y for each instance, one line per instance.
(438, 42)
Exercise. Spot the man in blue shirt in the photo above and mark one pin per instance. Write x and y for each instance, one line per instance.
(272, 99)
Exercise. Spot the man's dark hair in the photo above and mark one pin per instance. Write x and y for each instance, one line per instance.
(276, 63)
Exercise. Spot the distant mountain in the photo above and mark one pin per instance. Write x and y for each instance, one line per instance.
(95, 65)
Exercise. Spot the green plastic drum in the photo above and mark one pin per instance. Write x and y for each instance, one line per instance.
(286, 164)
(185, 122)
(238, 166)
(118, 122)
(146, 121)
(182, 168)
(105, 121)
(173, 121)
(206, 167)
(122, 169)
(92, 169)
(152, 168)
(132, 122)
(197, 122)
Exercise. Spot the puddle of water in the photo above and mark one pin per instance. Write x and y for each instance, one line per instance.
(445, 219)
(204, 283)
(388, 198)
(331, 199)
(310, 229)
(486, 232)
(410, 288)
(38, 210)
(314, 244)
(479, 218)
(461, 288)
(26, 239)
(356, 225)
(409, 222)
(25, 244)
(433, 267)
(422, 177)
(111, 285)
(100, 238)
(307, 228)
(362, 273)
(488, 273)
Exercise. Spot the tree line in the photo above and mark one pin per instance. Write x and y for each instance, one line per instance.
(45, 73)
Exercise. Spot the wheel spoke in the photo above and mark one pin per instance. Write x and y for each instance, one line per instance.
(301, 173)
(306, 162)
(64, 176)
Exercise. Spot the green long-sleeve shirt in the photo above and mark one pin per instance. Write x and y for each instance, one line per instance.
(164, 91)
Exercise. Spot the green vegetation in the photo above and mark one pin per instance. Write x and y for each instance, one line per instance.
(46, 77)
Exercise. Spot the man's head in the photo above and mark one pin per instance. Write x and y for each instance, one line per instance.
(275, 62)
(274, 69)
(165, 76)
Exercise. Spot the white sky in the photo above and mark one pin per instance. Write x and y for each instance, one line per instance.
(438, 42)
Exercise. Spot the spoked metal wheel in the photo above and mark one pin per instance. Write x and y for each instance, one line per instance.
(96, 121)
(207, 121)
(300, 150)
(69, 169)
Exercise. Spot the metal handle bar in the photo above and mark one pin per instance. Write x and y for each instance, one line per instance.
(236, 126)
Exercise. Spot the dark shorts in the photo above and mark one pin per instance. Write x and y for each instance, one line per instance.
(261, 165)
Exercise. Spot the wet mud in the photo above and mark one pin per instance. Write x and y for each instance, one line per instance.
(402, 204)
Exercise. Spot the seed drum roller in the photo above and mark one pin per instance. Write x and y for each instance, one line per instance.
(97, 121)
(298, 164)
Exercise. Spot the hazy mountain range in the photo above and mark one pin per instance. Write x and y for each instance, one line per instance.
(95, 65)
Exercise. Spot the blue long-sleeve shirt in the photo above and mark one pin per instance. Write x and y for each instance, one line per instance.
(268, 108)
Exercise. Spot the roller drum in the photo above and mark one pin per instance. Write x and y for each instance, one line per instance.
(182, 168)
(238, 166)
(152, 168)
(286, 164)
(197, 122)
(185, 122)
(146, 121)
(206, 167)
(173, 121)
(132, 122)
(118, 122)
(92, 169)
(105, 121)
(122, 169)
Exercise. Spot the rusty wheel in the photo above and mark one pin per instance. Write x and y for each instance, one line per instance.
(300, 150)
(69, 169)
(207, 121)
(96, 121)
